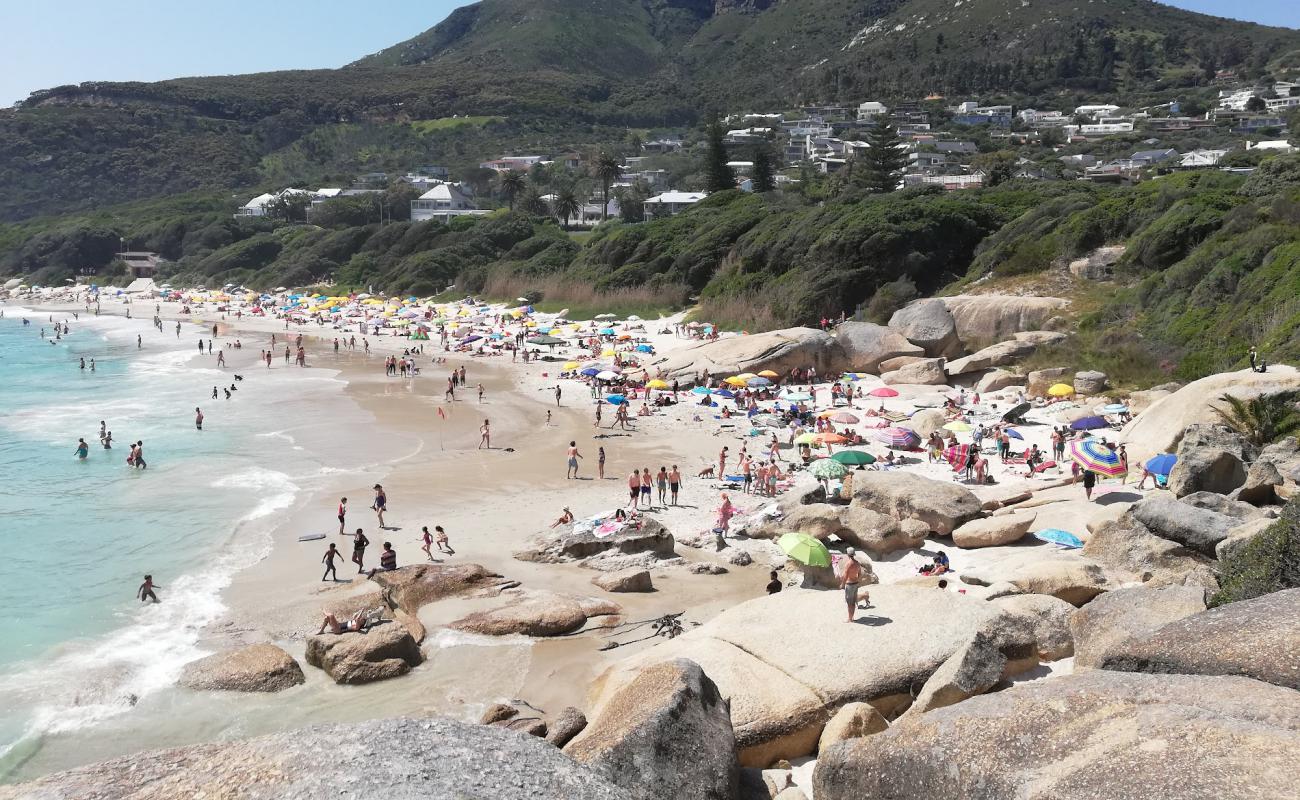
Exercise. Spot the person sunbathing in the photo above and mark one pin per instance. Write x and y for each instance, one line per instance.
(354, 624)
(564, 519)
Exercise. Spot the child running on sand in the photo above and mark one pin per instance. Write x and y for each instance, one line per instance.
(444, 546)
(427, 541)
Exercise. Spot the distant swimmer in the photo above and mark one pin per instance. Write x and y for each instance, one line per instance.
(198, 418)
(107, 440)
(83, 449)
(139, 341)
(103, 428)
(145, 592)
(83, 365)
(92, 365)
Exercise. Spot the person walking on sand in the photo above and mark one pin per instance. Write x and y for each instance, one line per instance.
(145, 592)
(221, 358)
(674, 483)
(646, 483)
(444, 546)
(557, 396)
(1089, 481)
(381, 505)
(633, 489)
(480, 392)
(661, 483)
(331, 570)
(359, 544)
(600, 462)
(849, 582)
(722, 463)
(343, 513)
(426, 541)
(725, 512)
(198, 418)
(485, 435)
(574, 455)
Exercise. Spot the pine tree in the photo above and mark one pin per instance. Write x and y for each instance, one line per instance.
(718, 176)
(763, 179)
(883, 161)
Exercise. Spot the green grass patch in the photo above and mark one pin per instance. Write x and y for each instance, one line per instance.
(425, 126)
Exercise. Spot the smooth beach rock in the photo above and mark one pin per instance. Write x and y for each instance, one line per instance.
(998, 379)
(1257, 638)
(1040, 380)
(984, 318)
(564, 544)
(498, 712)
(879, 534)
(1262, 479)
(382, 652)
(898, 362)
(929, 325)
(787, 661)
(253, 668)
(1067, 577)
(779, 351)
(740, 558)
(972, 670)
(851, 721)
(1211, 458)
(1285, 455)
(866, 345)
(566, 725)
(628, 580)
(1142, 400)
(927, 372)
(1195, 528)
(819, 520)
(927, 421)
(1222, 504)
(1159, 428)
(993, 531)
(532, 726)
(996, 355)
(1126, 546)
(941, 505)
(1118, 616)
(412, 587)
(401, 759)
(1041, 338)
(1136, 731)
(666, 733)
(1090, 382)
(1050, 618)
(536, 613)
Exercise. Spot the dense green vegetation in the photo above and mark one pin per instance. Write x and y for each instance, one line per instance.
(1269, 563)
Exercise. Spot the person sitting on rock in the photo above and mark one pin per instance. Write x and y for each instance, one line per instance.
(938, 566)
(565, 518)
(353, 624)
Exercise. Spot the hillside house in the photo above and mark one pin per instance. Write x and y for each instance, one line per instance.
(260, 206)
(442, 203)
(1149, 157)
(508, 163)
(671, 203)
(1096, 112)
(1279, 146)
(141, 264)
(748, 135)
(956, 147)
(1199, 159)
(1098, 129)
(741, 167)
(950, 183)
(871, 109)
(670, 144)
(928, 163)
(1043, 119)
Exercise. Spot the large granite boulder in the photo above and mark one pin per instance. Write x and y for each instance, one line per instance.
(566, 725)
(877, 533)
(1196, 528)
(941, 505)
(985, 318)
(995, 355)
(852, 721)
(972, 670)
(1140, 401)
(1099, 265)
(926, 372)
(993, 531)
(252, 668)
(1211, 458)
(628, 580)
(929, 325)
(1222, 504)
(650, 541)
(1050, 618)
(383, 651)
(1257, 638)
(1041, 571)
(779, 351)
(1159, 428)
(1090, 382)
(866, 345)
(412, 587)
(1260, 486)
(1099, 734)
(1121, 615)
(397, 759)
(898, 362)
(1127, 546)
(536, 613)
(787, 661)
(1040, 380)
(998, 379)
(927, 421)
(666, 733)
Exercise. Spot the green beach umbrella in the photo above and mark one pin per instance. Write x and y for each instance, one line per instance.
(804, 549)
(854, 457)
(828, 469)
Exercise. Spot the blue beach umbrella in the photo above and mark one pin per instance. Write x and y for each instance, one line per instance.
(759, 381)
(1162, 464)
(700, 390)
(1114, 408)
(606, 331)
(1058, 536)
(1089, 424)
(590, 371)
(1015, 434)
(644, 348)
(724, 393)
(615, 399)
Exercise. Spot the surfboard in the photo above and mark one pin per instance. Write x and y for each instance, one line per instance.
(310, 537)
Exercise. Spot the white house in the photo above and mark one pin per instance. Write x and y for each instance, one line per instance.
(259, 206)
(1095, 111)
(1100, 129)
(508, 163)
(1201, 158)
(671, 203)
(1283, 104)
(870, 110)
(441, 203)
(1277, 145)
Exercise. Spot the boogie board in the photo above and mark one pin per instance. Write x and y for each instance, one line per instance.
(311, 537)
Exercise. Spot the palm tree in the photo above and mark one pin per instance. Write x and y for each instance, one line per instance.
(607, 170)
(566, 204)
(1262, 419)
(512, 182)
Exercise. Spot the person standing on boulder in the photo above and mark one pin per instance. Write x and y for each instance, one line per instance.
(849, 581)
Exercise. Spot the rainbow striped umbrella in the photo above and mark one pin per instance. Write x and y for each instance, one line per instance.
(898, 438)
(1096, 457)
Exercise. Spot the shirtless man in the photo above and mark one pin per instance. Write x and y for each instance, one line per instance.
(849, 582)
(328, 560)
(574, 455)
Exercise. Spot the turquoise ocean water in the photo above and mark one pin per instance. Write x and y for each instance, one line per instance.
(77, 536)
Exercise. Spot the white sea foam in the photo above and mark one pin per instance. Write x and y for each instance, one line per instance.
(446, 638)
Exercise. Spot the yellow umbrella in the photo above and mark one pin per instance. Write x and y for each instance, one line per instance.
(1061, 390)
(568, 365)
(608, 351)
(769, 374)
(744, 376)
(657, 384)
(735, 380)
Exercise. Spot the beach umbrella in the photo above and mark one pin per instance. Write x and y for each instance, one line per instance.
(735, 380)
(724, 393)
(806, 438)
(607, 375)
(606, 331)
(1061, 390)
(471, 338)
(701, 390)
(765, 421)
(607, 352)
(898, 438)
(657, 384)
(615, 399)
(568, 365)
(831, 438)
(547, 340)
(757, 381)
(957, 426)
(1058, 536)
(1015, 434)
(805, 549)
(769, 374)
(798, 397)
(590, 372)
(1162, 464)
(844, 418)
(1016, 413)
(1096, 457)
(825, 469)
(957, 455)
(883, 391)
(1089, 424)
(1114, 408)
(854, 457)
(644, 348)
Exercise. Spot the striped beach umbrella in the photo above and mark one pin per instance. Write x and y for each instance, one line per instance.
(898, 438)
(844, 418)
(957, 455)
(1096, 457)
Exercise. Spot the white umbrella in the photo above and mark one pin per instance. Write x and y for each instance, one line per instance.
(607, 376)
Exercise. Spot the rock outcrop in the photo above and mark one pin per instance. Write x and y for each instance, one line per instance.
(1090, 382)
(383, 651)
(941, 505)
(972, 670)
(1260, 486)
(400, 759)
(1257, 638)
(1098, 734)
(1127, 546)
(1040, 380)
(1119, 616)
(628, 580)
(993, 531)
(929, 325)
(926, 372)
(985, 318)
(536, 613)
(253, 668)
(566, 725)
(1099, 265)
(412, 587)
(644, 546)
(995, 355)
(1211, 458)
(1050, 618)
(852, 721)
(666, 733)
(998, 379)
(1195, 528)
(866, 345)
(779, 351)
(1038, 571)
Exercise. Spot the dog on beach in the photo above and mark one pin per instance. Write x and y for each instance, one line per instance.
(707, 472)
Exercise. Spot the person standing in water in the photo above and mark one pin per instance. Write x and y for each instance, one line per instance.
(139, 456)
(328, 561)
(145, 592)
(198, 418)
(83, 449)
